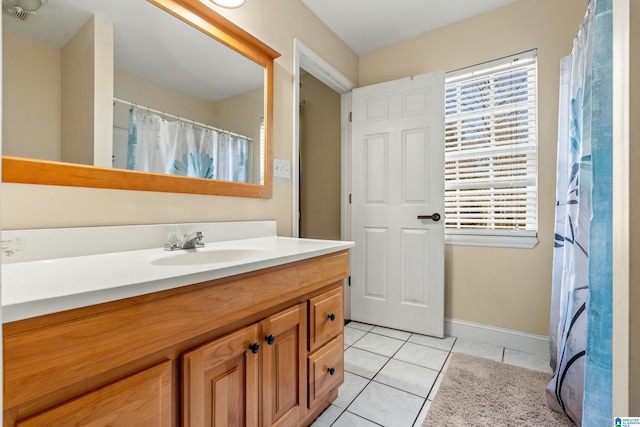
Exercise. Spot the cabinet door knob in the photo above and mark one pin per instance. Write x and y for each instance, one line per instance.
(331, 371)
(332, 317)
(270, 339)
(254, 347)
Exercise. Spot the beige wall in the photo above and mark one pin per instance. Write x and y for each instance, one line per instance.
(78, 68)
(508, 288)
(87, 94)
(320, 160)
(31, 92)
(242, 114)
(131, 88)
(103, 92)
(276, 22)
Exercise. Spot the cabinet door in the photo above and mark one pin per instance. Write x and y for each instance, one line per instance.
(143, 399)
(284, 394)
(220, 382)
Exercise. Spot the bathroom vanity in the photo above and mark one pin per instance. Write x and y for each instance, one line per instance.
(251, 336)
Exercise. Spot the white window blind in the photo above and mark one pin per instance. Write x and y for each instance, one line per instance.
(491, 149)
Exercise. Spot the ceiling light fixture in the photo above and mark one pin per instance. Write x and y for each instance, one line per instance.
(20, 6)
(229, 4)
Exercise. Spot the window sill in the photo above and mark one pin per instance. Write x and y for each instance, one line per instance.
(519, 242)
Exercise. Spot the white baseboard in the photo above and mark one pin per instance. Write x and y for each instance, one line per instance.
(516, 340)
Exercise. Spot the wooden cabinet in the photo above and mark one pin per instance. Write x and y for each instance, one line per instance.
(284, 387)
(143, 399)
(326, 315)
(220, 382)
(220, 379)
(184, 357)
(326, 347)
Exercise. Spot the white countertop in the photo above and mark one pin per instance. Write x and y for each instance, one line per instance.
(42, 286)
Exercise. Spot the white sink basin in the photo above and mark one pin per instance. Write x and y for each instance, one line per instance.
(207, 256)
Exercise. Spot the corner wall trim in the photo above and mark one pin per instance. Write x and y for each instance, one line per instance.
(516, 340)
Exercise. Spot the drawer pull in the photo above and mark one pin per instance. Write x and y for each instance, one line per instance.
(332, 317)
(254, 347)
(331, 371)
(270, 339)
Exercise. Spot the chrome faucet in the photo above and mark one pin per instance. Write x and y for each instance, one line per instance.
(190, 241)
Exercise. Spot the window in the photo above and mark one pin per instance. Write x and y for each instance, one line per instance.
(490, 153)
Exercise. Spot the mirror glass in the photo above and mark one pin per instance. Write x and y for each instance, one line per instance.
(123, 84)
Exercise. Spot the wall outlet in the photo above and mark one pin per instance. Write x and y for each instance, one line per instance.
(281, 168)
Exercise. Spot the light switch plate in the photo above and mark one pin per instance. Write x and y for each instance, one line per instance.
(281, 168)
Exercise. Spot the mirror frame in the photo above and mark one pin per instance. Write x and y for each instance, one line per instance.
(195, 13)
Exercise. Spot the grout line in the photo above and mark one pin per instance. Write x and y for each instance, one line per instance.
(385, 364)
(367, 419)
(403, 390)
(419, 412)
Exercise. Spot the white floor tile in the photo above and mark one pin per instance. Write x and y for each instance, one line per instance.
(328, 416)
(348, 419)
(363, 363)
(353, 385)
(393, 333)
(378, 344)
(352, 335)
(527, 360)
(408, 377)
(440, 343)
(427, 357)
(386, 405)
(396, 396)
(423, 414)
(362, 326)
(478, 349)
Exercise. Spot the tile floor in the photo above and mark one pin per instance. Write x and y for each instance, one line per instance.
(391, 376)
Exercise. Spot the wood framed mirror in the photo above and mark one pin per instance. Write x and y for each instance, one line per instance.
(193, 16)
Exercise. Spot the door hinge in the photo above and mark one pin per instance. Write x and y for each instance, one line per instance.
(350, 116)
(349, 281)
(349, 198)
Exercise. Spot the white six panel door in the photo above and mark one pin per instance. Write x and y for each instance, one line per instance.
(397, 270)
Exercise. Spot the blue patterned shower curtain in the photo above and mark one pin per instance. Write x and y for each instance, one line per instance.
(179, 148)
(581, 126)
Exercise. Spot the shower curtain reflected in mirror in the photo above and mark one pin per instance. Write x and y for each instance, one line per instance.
(181, 148)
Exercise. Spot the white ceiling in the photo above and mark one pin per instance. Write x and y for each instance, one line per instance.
(151, 44)
(368, 25)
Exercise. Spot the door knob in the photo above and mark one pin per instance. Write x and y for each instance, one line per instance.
(434, 217)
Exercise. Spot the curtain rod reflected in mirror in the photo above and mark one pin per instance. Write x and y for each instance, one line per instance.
(206, 21)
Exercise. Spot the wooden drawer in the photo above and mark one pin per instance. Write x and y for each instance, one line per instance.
(326, 369)
(326, 317)
(143, 399)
